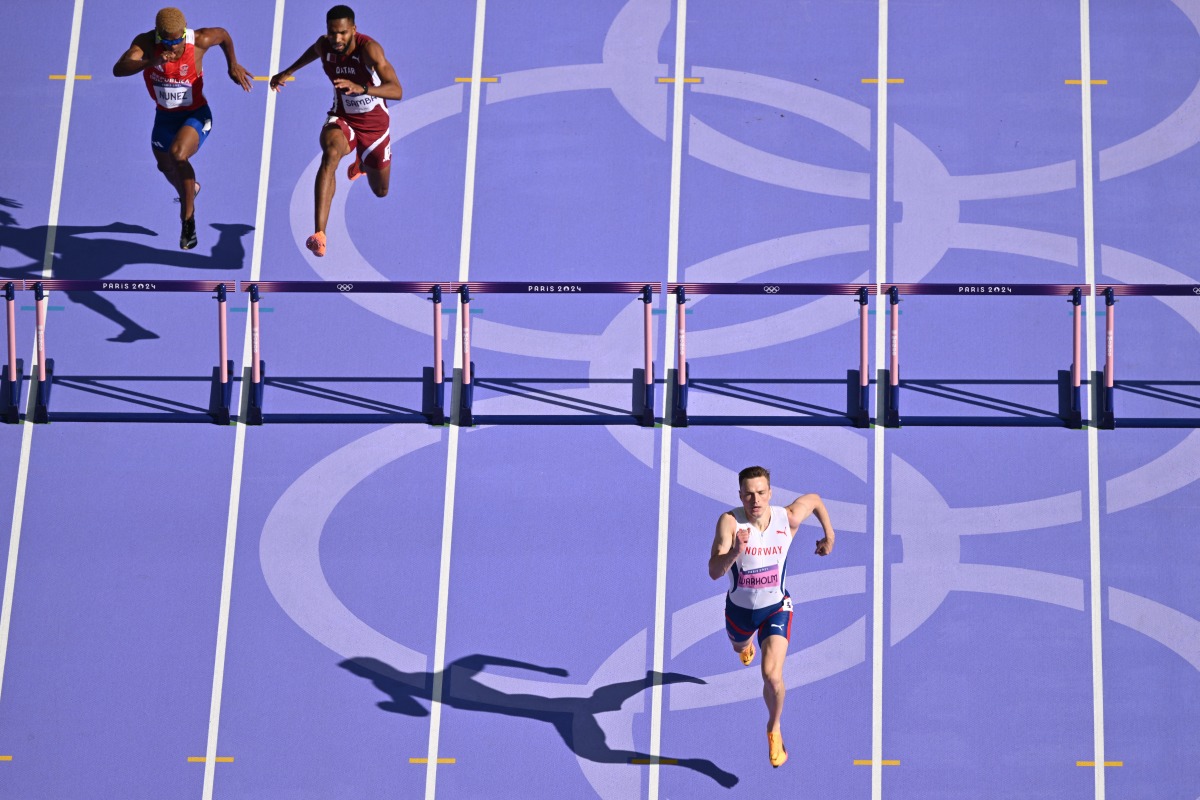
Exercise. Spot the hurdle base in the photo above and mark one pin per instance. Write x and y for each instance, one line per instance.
(856, 400)
(642, 399)
(891, 413)
(466, 396)
(11, 394)
(41, 399)
(433, 397)
(679, 393)
(1102, 410)
(220, 395)
(1068, 401)
(254, 406)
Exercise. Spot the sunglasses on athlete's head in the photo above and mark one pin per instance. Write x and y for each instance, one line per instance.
(161, 38)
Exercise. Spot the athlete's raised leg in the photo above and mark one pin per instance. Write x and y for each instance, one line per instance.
(378, 179)
(744, 649)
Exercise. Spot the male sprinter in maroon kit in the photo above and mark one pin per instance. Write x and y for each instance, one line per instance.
(363, 82)
(170, 58)
(752, 545)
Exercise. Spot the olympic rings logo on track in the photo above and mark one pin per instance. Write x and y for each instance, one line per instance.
(345, 287)
(1196, 290)
(771, 289)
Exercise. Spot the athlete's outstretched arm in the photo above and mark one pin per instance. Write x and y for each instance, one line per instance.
(134, 60)
(389, 87)
(727, 546)
(478, 662)
(310, 55)
(799, 510)
(210, 37)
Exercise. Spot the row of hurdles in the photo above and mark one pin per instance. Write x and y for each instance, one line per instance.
(679, 380)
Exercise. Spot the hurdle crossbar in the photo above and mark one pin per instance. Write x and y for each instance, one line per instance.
(432, 380)
(219, 389)
(1069, 408)
(857, 381)
(1105, 401)
(642, 412)
(10, 390)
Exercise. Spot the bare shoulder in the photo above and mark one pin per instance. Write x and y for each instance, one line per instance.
(802, 506)
(144, 42)
(208, 37)
(726, 523)
(374, 52)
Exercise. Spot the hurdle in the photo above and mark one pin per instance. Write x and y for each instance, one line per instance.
(857, 381)
(1069, 413)
(432, 378)
(1104, 401)
(642, 403)
(10, 382)
(219, 387)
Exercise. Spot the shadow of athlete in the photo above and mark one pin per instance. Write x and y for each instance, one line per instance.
(80, 258)
(573, 717)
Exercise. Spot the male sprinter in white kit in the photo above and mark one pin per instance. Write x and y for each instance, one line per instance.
(752, 545)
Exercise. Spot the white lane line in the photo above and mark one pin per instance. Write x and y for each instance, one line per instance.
(664, 466)
(877, 525)
(60, 164)
(1089, 264)
(239, 445)
(464, 265)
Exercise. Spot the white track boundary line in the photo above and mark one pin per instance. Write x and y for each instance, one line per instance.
(239, 446)
(877, 525)
(664, 467)
(464, 265)
(60, 164)
(1089, 263)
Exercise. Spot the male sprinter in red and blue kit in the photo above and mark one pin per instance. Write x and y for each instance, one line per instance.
(363, 82)
(170, 58)
(752, 545)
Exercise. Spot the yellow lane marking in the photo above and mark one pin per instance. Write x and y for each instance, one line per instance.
(1093, 763)
(426, 761)
(1077, 82)
(481, 80)
(685, 80)
(859, 762)
(202, 759)
(5, 758)
(889, 80)
(64, 77)
(654, 761)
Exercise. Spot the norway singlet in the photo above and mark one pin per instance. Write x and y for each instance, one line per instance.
(177, 85)
(758, 573)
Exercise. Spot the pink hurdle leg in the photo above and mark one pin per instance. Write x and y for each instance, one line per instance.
(222, 334)
(10, 305)
(41, 306)
(648, 357)
(255, 339)
(1109, 346)
(437, 335)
